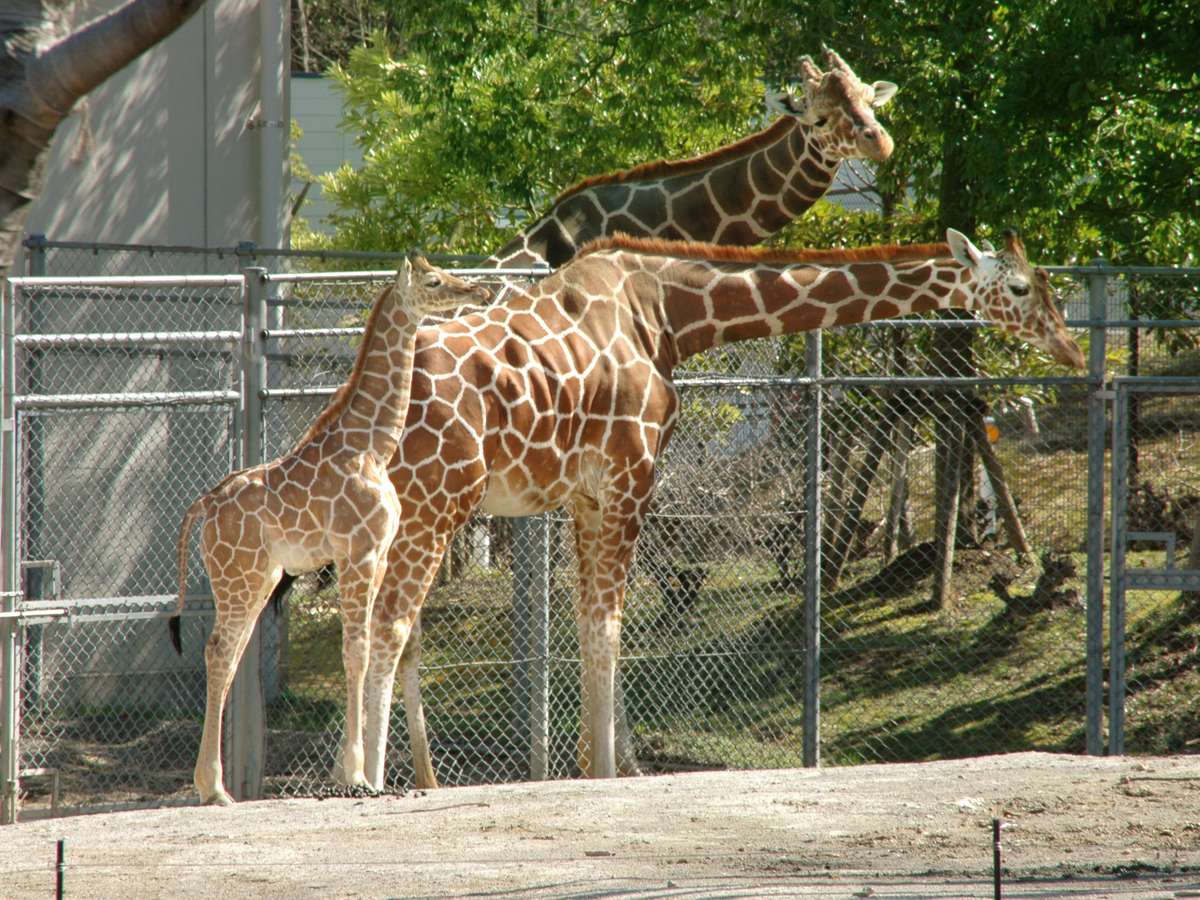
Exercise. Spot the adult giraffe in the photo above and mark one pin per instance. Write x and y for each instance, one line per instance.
(328, 500)
(562, 396)
(738, 194)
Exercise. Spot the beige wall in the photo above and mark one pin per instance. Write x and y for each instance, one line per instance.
(167, 155)
(323, 145)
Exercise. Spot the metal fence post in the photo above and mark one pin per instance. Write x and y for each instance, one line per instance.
(35, 255)
(812, 556)
(245, 736)
(1116, 581)
(1097, 286)
(9, 567)
(531, 637)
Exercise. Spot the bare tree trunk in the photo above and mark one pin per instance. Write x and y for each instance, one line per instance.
(850, 518)
(1194, 546)
(1004, 498)
(947, 460)
(898, 495)
(302, 21)
(44, 76)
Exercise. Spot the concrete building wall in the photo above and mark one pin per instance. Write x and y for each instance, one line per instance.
(323, 145)
(170, 150)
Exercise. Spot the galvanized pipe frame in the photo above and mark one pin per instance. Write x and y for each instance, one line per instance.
(1121, 578)
(255, 389)
(14, 613)
(10, 596)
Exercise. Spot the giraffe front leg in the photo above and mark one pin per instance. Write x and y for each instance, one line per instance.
(605, 536)
(599, 637)
(357, 582)
(396, 641)
(237, 606)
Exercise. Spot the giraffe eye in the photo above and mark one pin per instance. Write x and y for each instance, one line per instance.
(432, 280)
(822, 122)
(1020, 288)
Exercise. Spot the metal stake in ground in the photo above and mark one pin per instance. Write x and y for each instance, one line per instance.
(996, 858)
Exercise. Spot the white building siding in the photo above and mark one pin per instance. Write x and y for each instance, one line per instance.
(317, 109)
(162, 152)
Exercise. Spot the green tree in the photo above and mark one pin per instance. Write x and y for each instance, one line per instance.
(495, 106)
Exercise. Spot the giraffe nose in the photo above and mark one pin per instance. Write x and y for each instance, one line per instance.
(874, 142)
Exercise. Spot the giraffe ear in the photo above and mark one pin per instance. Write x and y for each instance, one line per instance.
(784, 103)
(962, 249)
(404, 273)
(884, 91)
(986, 246)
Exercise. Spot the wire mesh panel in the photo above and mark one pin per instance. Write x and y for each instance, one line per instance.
(1159, 458)
(113, 444)
(110, 715)
(928, 648)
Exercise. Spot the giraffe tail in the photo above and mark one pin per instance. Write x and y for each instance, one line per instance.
(197, 509)
(280, 593)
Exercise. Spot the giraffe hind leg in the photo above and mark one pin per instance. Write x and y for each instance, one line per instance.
(237, 604)
(277, 597)
(396, 641)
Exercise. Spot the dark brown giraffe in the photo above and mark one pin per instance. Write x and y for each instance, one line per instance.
(562, 396)
(739, 194)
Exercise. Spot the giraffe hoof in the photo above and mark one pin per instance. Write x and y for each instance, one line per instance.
(220, 798)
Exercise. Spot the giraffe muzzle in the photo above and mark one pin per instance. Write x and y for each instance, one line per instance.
(1064, 350)
(874, 143)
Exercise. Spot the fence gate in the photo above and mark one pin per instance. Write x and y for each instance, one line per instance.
(1155, 509)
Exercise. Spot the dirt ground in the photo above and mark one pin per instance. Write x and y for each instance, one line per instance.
(1075, 826)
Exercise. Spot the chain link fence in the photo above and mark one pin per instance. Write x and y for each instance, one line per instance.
(756, 570)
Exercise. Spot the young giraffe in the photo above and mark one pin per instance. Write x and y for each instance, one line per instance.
(328, 500)
(739, 194)
(562, 396)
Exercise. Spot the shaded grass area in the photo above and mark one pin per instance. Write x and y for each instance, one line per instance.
(722, 683)
(723, 686)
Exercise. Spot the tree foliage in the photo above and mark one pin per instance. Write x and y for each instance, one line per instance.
(495, 106)
(1076, 121)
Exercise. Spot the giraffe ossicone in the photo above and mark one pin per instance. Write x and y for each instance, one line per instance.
(328, 500)
(562, 396)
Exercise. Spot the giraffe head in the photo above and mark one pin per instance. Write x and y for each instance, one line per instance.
(425, 289)
(1015, 295)
(838, 109)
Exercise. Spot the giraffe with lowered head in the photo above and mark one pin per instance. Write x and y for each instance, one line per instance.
(328, 500)
(738, 194)
(562, 396)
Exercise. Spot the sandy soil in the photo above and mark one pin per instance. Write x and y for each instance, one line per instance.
(1076, 826)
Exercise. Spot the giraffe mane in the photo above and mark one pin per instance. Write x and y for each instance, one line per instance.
(337, 403)
(766, 255)
(663, 168)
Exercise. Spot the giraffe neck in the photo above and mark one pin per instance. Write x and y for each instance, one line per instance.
(376, 404)
(739, 194)
(704, 303)
(367, 412)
